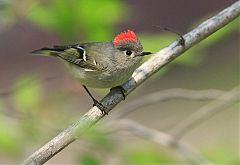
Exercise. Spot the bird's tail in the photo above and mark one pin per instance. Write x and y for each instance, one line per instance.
(46, 52)
(55, 51)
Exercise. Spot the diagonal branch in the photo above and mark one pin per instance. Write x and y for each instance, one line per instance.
(154, 64)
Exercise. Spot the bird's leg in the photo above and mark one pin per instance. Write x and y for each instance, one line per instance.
(95, 102)
(121, 89)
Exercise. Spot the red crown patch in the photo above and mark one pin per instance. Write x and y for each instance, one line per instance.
(125, 37)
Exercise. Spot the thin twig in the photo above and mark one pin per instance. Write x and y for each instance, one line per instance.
(206, 112)
(166, 95)
(154, 64)
(163, 139)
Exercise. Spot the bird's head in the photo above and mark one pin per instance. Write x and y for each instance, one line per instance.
(129, 44)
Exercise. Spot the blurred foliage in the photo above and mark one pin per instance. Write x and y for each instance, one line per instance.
(97, 137)
(74, 18)
(11, 11)
(9, 136)
(146, 156)
(27, 95)
(9, 133)
(89, 159)
(2, 107)
(5, 13)
(25, 98)
(217, 154)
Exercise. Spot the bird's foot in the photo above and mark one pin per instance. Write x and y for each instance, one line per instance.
(100, 106)
(121, 89)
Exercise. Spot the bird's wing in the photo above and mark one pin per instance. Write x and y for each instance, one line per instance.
(74, 54)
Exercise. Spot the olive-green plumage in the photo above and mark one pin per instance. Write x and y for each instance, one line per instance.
(100, 64)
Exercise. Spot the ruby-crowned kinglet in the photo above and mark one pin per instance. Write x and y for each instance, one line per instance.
(101, 64)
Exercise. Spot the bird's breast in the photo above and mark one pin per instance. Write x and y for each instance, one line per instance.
(102, 79)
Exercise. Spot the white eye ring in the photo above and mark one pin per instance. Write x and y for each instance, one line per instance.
(128, 52)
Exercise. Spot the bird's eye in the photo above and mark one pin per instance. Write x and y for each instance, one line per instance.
(128, 52)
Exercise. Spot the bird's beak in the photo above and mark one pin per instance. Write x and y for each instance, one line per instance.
(145, 53)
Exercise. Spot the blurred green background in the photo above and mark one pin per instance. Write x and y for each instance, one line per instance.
(39, 98)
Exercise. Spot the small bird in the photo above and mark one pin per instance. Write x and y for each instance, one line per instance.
(101, 64)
